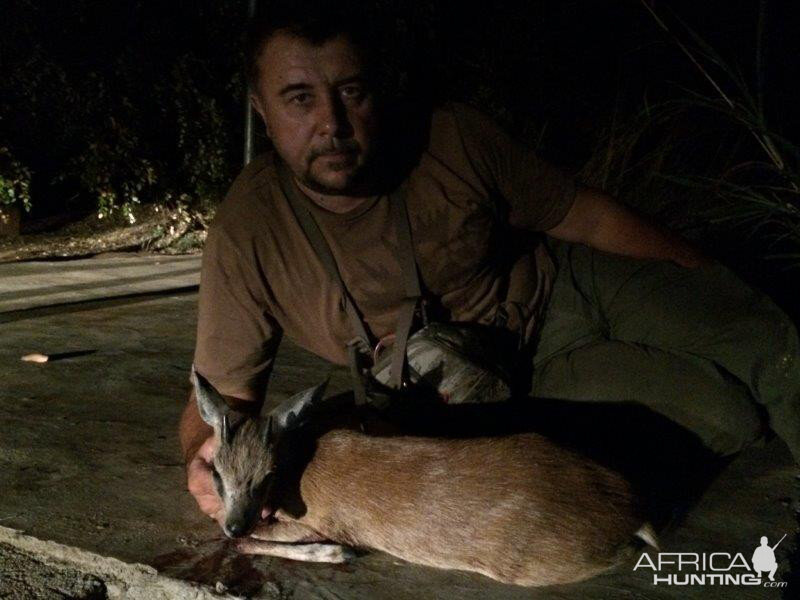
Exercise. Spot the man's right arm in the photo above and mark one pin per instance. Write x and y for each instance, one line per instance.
(237, 340)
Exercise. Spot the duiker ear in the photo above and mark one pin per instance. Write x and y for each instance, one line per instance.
(290, 414)
(210, 402)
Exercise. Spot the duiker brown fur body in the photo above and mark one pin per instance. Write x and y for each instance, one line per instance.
(519, 508)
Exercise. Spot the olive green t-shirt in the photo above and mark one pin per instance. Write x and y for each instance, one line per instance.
(472, 185)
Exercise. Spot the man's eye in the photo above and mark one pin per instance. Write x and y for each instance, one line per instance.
(352, 91)
(300, 99)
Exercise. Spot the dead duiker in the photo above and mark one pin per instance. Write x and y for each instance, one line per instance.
(517, 508)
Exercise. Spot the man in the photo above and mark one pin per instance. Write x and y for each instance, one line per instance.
(622, 311)
(764, 559)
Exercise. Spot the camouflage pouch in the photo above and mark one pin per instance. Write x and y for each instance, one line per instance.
(462, 362)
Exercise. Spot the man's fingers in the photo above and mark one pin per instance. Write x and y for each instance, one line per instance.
(690, 258)
(210, 505)
(207, 450)
(199, 479)
(201, 485)
(218, 515)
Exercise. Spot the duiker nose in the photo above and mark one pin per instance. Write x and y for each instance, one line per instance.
(234, 529)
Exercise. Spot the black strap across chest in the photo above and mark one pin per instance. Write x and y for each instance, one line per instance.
(363, 340)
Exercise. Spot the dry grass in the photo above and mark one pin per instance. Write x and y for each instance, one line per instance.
(708, 163)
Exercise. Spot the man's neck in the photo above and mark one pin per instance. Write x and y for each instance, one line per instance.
(335, 204)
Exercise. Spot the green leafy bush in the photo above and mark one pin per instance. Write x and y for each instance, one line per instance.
(15, 180)
(145, 109)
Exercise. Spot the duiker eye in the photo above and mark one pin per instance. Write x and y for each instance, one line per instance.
(258, 490)
(217, 481)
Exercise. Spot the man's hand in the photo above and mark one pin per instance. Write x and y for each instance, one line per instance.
(198, 445)
(688, 256)
(201, 482)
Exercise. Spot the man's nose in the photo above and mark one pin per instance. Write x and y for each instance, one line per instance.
(333, 118)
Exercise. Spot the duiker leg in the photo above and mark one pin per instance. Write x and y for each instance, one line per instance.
(290, 539)
(327, 553)
(286, 531)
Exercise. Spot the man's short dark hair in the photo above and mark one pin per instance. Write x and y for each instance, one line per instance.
(317, 21)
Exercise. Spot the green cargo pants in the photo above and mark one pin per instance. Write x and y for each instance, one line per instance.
(695, 345)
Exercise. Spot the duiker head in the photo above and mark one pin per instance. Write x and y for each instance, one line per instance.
(245, 461)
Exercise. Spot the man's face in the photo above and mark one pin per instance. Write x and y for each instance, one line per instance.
(317, 109)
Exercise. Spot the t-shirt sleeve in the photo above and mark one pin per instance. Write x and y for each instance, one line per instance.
(237, 337)
(534, 193)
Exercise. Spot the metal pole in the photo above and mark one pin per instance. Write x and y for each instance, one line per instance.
(248, 109)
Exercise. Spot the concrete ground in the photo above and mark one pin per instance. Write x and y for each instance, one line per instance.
(36, 284)
(92, 492)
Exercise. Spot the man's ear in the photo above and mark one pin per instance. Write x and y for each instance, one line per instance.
(258, 106)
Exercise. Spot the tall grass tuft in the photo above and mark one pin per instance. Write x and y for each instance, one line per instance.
(709, 164)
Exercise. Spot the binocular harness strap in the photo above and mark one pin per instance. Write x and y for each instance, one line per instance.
(359, 347)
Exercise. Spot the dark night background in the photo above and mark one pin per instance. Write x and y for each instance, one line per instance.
(121, 128)
(106, 107)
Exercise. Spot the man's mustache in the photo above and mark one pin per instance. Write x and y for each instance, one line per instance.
(335, 147)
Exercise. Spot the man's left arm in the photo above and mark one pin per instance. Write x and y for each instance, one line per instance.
(536, 196)
(597, 220)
